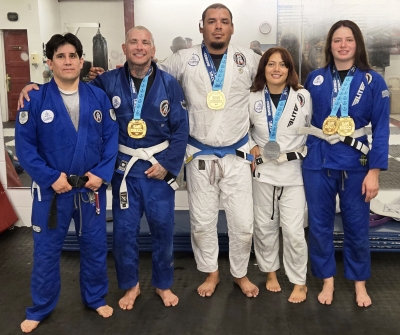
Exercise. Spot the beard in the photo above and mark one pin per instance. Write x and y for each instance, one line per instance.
(218, 45)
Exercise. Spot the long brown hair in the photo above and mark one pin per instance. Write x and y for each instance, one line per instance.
(360, 57)
(292, 79)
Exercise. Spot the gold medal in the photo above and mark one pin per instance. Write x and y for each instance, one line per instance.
(137, 128)
(330, 125)
(346, 126)
(216, 100)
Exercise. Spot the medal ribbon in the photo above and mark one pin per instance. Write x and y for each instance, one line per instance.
(138, 105)
(217, 78)
(273, 121)
(340, 93)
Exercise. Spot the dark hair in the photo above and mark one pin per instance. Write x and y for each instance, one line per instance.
(58, 40)
(360, 57)
(216, 6)
(292, 78)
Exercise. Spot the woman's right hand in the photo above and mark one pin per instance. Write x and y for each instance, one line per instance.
(255, 152)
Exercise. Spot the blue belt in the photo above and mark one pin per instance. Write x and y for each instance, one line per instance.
(220, 151)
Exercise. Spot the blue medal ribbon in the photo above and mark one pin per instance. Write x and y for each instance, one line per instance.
(341, 92)
(138, 98)
(273, 121)
(217, 78)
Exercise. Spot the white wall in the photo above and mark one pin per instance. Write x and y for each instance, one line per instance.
(181, 18)
(110, 15)
(50, 19)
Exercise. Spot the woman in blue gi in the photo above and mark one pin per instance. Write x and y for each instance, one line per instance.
(346, 96)
(278, 107)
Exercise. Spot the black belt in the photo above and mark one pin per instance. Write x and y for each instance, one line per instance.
(74, 181)
(77, 181)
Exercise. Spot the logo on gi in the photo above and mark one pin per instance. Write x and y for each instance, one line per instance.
(116, 101)
(194, 60)
(97, 116)
(301, 99)
(47, 116)
(113, 116)
(23, 117)
(258, 105)
(318, 80)
(36, 229)
(239, 59)
(164, 108)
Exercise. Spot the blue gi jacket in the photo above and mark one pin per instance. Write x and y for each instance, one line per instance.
(163, 111)
(48, 144)
(368, 103)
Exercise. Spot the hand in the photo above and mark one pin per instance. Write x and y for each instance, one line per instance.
(94, 182)
(61, 185)
(370, 185)
(156, 172)
(255, 152)
(24, 94)
(94, 72)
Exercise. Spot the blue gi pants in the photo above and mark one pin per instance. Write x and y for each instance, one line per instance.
(321, 187)
(45, 280)
(156, 199)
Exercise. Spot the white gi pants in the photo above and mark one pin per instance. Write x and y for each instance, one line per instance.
(288, 206)
(227, 179)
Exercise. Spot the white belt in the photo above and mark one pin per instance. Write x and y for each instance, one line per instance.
(333, 139)
(145, 154)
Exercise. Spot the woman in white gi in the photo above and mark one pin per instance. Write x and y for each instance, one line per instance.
(346, 96)
(278, 107)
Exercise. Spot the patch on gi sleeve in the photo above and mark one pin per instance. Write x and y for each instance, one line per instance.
(116, 101)
(301, 99)
(258, 105)
(369, 77)
(36, 229)
(194, 60)
(385, 94)
(97, 116)
(164, 108)
(113, 115)
(184, 104)
(23, 117)
(239, 59)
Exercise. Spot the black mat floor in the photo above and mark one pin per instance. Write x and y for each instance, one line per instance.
(228, 311)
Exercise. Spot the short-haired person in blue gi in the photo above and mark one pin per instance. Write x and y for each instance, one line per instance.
(67, 140)
(153, 133)
(278, 107)
(346, 95)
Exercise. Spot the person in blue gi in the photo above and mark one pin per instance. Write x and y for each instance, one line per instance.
(153, 133)
(67, 141)
(346, 96)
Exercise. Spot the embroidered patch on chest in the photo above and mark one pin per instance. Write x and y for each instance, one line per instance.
(47, 116)
(164, 108)
(239, 59)
(97, 116)
(116, 101)
(194, 60)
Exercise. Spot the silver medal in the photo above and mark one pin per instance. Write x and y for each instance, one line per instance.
(272, 150)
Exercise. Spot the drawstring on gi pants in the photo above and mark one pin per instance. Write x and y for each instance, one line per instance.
(344, 176)
(78, 205)
(273, 201)
(212, 172)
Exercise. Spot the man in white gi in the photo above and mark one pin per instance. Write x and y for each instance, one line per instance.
(216, 77)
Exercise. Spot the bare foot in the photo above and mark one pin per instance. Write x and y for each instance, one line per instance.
(208, 287)
(362, 297)
(168, 298)
(247, 287)
(28, 325)
(299, 294)
(272, 282)
(326, 295)
(127, 301)
(105, 311)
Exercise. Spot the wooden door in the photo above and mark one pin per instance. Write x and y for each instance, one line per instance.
(16, 55)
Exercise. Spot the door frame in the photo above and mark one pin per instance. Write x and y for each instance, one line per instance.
(3, 88)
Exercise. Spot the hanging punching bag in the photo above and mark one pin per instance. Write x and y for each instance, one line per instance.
(100, 51)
